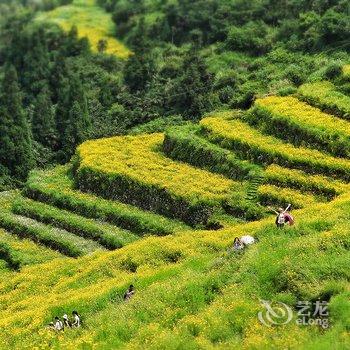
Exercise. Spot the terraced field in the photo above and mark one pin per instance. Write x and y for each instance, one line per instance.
(91, 22)
(160, 211)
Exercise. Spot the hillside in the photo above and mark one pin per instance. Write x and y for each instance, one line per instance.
(161, 210)
(91, 21)
(138, 139)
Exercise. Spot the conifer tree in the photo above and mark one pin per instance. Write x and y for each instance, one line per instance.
(36, 65)
(43, 122)
(17, 147)
(72, 117)
(190, 93)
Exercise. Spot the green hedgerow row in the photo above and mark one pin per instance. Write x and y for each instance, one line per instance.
(183, 144)
(134, 170)
(10, 256)
(274, 195)
(318, 184)
(28, 252)
(301, 124)
(55, 187)
(251, 144)
(58, 239)
(131, 170)
(325, 96)
(109, 236)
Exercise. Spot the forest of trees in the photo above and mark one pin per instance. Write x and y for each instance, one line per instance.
(189, 57)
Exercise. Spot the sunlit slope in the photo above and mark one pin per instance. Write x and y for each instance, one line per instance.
(91, 21)
(189, 292)
(121, 203)
(134, 170)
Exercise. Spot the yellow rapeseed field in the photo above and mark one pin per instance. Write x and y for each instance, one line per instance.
(234, 130)
(292, 110)
(91, 21)
(135, 157)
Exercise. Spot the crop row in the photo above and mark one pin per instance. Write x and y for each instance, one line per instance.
(318, 184)
(27, 252)
(301, 124)
(325, 96)
(183, 144)
(109, 236)
(131, 170)
(57, 239)
(55, 187)
(274, 195)
(252, 145)
(10, 256)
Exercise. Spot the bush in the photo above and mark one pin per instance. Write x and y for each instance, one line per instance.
(185, 145)
(277, 196)
(325, 96)
(56, 239)
(7, 254)
(277, 175)
(333, 71)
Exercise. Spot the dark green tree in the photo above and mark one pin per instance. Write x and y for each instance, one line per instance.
(43, 121)
(139, 70)
(72, 117)
(16, 149)
(190, 93)
(36, 70)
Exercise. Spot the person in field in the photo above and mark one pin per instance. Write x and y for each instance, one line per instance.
(237, 244)
(66, 322)
(283, 217)
(76, 317)
(58, 324)
(248, 240)
(129, 293)
(243, 242)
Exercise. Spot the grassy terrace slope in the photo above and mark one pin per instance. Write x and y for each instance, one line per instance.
(302, 124)
(232, 133)
(192, 290)
(91, 21)
(325, 96)
(56, 188)
(132, 169)
(206, 299)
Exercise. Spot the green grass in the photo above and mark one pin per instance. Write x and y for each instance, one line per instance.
(91, 21)
(184, 144)
(316, 184)
(28, 252)
(209, 298)
(132, 169)
(281, 197)
(249, 143)
(107, 235)
(325, 96)
(10, 256)
(55, 187)
(192, 290)
(301, 124)
(52, 237)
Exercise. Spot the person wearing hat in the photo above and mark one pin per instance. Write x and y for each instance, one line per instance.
(66, 321)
